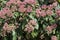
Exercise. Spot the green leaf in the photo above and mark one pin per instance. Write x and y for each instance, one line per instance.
(16, 14)
(58, 0)
(44, 26)
(5, 38)
(46, 18)
(14, 35)
(50, 18)
(37, 26)
(34, 34)
(54, 31)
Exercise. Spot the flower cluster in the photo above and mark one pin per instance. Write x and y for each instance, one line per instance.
(50, 28)
(8, 28)
(45, 10)
(30, 26)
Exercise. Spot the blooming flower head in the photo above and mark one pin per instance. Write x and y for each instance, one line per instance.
(5, 26)
(29, 9)
(32, 22)
(8, 4)
(55, 4)
(29, 28)
(49, 12)
(54, 38)
(50, 6)
(53, 26)
(2, 15)
(49, 29)
(3, 12)
(13, 8)
(38, 12)
(43, 13)
(44, 6)
(58, 12)
(8, 28)
(22, 8)
(30, 1)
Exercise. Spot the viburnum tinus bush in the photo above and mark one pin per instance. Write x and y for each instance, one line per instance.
(29, 19)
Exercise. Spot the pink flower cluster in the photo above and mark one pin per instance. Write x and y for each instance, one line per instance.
(50, 28)
(8, 28)
(17, 5)
(58, 12)
(5, 12)
(30, 1)
(30, 26)
(43, 13)
(21, 7)
(45, 10)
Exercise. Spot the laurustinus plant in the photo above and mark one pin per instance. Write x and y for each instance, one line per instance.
(29, 19)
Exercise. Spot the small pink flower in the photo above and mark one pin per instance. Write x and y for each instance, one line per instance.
(19, 3)
(43, 13)
(54, 38)
(50, 7)
(53, 26)
(2, 14)
(9, 13)
(10, 28)
(38, 12)
(4, 10)
(30, 1)
(29, 9)
(22, 8)
(3, 33)
(32, 22)
(49, 12)
(55, 4)
(13, 8)
(44, 6)
(49, 29)
(5, 26)
(8, 3)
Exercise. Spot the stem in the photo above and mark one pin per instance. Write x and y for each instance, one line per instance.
(5, 38)
(14, 35)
